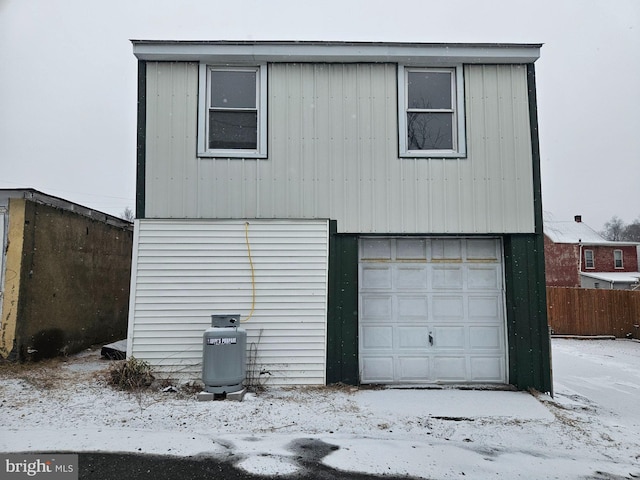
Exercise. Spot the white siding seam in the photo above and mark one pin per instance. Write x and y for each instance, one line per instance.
(132, 286)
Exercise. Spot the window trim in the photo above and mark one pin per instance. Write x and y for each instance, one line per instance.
(204, 93)
(615, 260)
(459, 149)
(587, 260)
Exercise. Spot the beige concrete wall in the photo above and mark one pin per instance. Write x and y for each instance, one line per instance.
(74, 282)
(15, 233)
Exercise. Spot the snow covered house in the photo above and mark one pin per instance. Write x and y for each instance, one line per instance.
(372, 210)
(578, 256)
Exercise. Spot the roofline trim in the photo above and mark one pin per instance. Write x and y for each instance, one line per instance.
(604, 243)
(341, 52)
(603, 276)
(37, 196)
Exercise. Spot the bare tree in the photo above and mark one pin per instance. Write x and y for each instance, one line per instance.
(613, 229)
(632, 231)
(617, 231)
(127, 215)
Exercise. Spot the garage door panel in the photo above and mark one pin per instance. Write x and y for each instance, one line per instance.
(450, 369)
(410, 277)
(448, 308)
(449, 337)
(412, 369)
(410, 337)
(447, 277)
(377, 369)
(377, 308)
(483, 249)
(431, 310)
(487, 369)
(483, 309)
(412, 308)
(446, 248)
(483, 277)
(376, 248)
(379, 337)
(376, 277)
(489, 337)
(411, 249)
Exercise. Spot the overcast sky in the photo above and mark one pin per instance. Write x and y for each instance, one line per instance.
(68, 83)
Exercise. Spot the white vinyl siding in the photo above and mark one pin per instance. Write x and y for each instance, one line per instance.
(333, 153)
(186, 270)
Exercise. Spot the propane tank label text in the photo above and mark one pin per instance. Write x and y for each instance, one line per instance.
(221, 341)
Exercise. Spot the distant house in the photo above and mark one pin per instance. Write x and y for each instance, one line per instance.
(64, 275)
(372, 210)
(577, 256)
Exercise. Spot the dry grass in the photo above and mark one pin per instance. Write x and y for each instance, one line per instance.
(333, 387)
(47, 374)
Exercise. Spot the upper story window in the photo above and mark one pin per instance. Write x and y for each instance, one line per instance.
(617, 259)
(232, 112)
(431, 116)
(588, 259)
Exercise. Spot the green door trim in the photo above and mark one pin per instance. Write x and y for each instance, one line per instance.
(342, 309)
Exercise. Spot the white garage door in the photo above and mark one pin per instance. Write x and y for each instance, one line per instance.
(431, 310)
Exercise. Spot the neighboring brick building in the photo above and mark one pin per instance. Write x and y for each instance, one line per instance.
(577, 256)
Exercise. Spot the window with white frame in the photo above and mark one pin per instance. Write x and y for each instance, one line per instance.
(588, 259)
(232, 111)
(617, 259)
(431, 112)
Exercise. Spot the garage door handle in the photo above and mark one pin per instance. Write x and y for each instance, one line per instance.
(430, 339)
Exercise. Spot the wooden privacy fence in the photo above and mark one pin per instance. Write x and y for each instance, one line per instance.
(582, 311)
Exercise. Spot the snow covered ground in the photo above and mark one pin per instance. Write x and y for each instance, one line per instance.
(590, 429)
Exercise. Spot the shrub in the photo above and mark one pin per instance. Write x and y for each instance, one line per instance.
(131, 374)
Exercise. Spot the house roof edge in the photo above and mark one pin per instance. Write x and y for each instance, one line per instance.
(50, 200)
(333, 51)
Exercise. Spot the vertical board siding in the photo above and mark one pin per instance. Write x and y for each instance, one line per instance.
(527, 331)
(499, 147)
(185, 271)
(333, 153)
(171, 170)
(582, 311)
(342, 318)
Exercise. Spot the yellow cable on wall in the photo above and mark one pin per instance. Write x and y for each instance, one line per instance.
(253, 273)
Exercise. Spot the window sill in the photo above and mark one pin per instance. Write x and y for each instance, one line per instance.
(232, 154)
(434, 154)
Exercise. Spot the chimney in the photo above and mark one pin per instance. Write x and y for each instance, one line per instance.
(578, 218)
